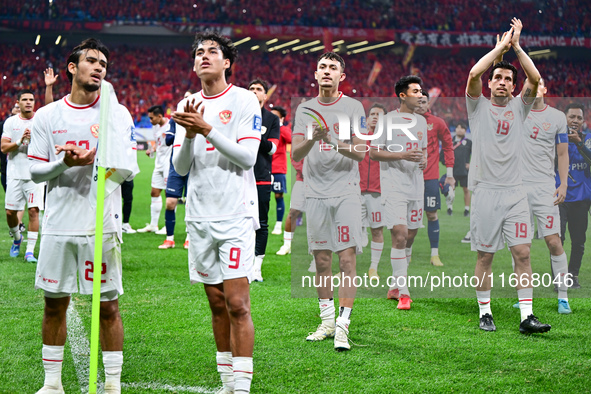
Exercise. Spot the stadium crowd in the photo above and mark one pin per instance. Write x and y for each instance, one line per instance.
(148, 79)
(559, 16)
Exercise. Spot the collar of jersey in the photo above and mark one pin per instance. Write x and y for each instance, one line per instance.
(76, 106)
(217, 95)
(334, 102)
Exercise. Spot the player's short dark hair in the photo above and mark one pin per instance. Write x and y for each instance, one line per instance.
(259, 81)
(89, 43)
(575, 106)
(332, 56)
(403, 83)
(378, 105)
(24, 91)
(156, 110)
(281, 110)
(228, 49)
(425, 93)
(507, 66)
(461, 124)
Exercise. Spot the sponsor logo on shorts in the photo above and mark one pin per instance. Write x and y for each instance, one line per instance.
(226, 116)
(486, 246)
(320, 242)
(60, 131)
(202, 274)
(94, 129)
(50, 280)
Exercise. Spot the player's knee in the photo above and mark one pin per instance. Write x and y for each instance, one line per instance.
(238, 307)
(431, 216)
(56, 304)
(554, 245)
(521, 254)
(109, 310)
(399, 239)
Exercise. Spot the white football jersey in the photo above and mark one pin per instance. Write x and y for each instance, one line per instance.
(497, 135)
(544, 129)
(328, 173)
(403, 177)
(163, 151)
(68, 210)
(217, 188)
(17, 161)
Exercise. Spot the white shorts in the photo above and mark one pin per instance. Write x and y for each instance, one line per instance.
(21, 191)
(298, 201)
(160, 177)
(541, 203)
(334, 223)
(400, 210)
(371, 210)
(219, 251)
(499, 215)
(62, 257)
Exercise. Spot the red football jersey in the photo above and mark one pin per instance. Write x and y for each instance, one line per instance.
(279, 163)
(437, 131)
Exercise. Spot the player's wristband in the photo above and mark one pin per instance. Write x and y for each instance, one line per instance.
(450, 172)
(19, 142)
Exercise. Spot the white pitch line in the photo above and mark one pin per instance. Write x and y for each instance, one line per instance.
(79, 346)
(167, 387)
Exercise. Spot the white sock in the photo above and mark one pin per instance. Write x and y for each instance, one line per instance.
(278, 225)
(434, 252)
(113, 362)
(170, 238)
(258, 262)
(32, 241)
(466, 208)
(53, 357)
(376, 254)
(483, 298)
(345, 313)
(225, 369)
(560, 269)
(327, 311)
(408, 253)
(525, 297)
(287, 237)
(399, 268)
(242, 374)
(155, 209)
(15, 233)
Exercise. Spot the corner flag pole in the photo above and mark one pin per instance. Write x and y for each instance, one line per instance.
(98, 241)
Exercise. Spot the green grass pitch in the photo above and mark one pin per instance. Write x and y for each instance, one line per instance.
(434, 347)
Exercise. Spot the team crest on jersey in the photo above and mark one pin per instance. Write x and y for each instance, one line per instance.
(335, 127)
(509, 115)
(420, 135)
(94, 129)
(546, 125)
(263, 129)
(429, 126)
(226, 116)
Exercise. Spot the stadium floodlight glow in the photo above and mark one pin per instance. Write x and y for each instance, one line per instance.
(37, 39)
(254, 48)
(540, 52)
(305, 45)
(273, 41)
(286, 44)
(241, 41)
(317, 48)
(369, 48)
(339, 42)
(357, 44)
(59, 38)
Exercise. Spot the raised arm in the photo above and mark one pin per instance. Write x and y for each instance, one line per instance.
(474, 85)
(530, 87)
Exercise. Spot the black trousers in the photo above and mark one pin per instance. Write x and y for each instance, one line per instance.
(576, 216)
(127, 194)
(262, 234)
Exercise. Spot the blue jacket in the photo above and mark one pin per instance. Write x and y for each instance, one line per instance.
(579, 180)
